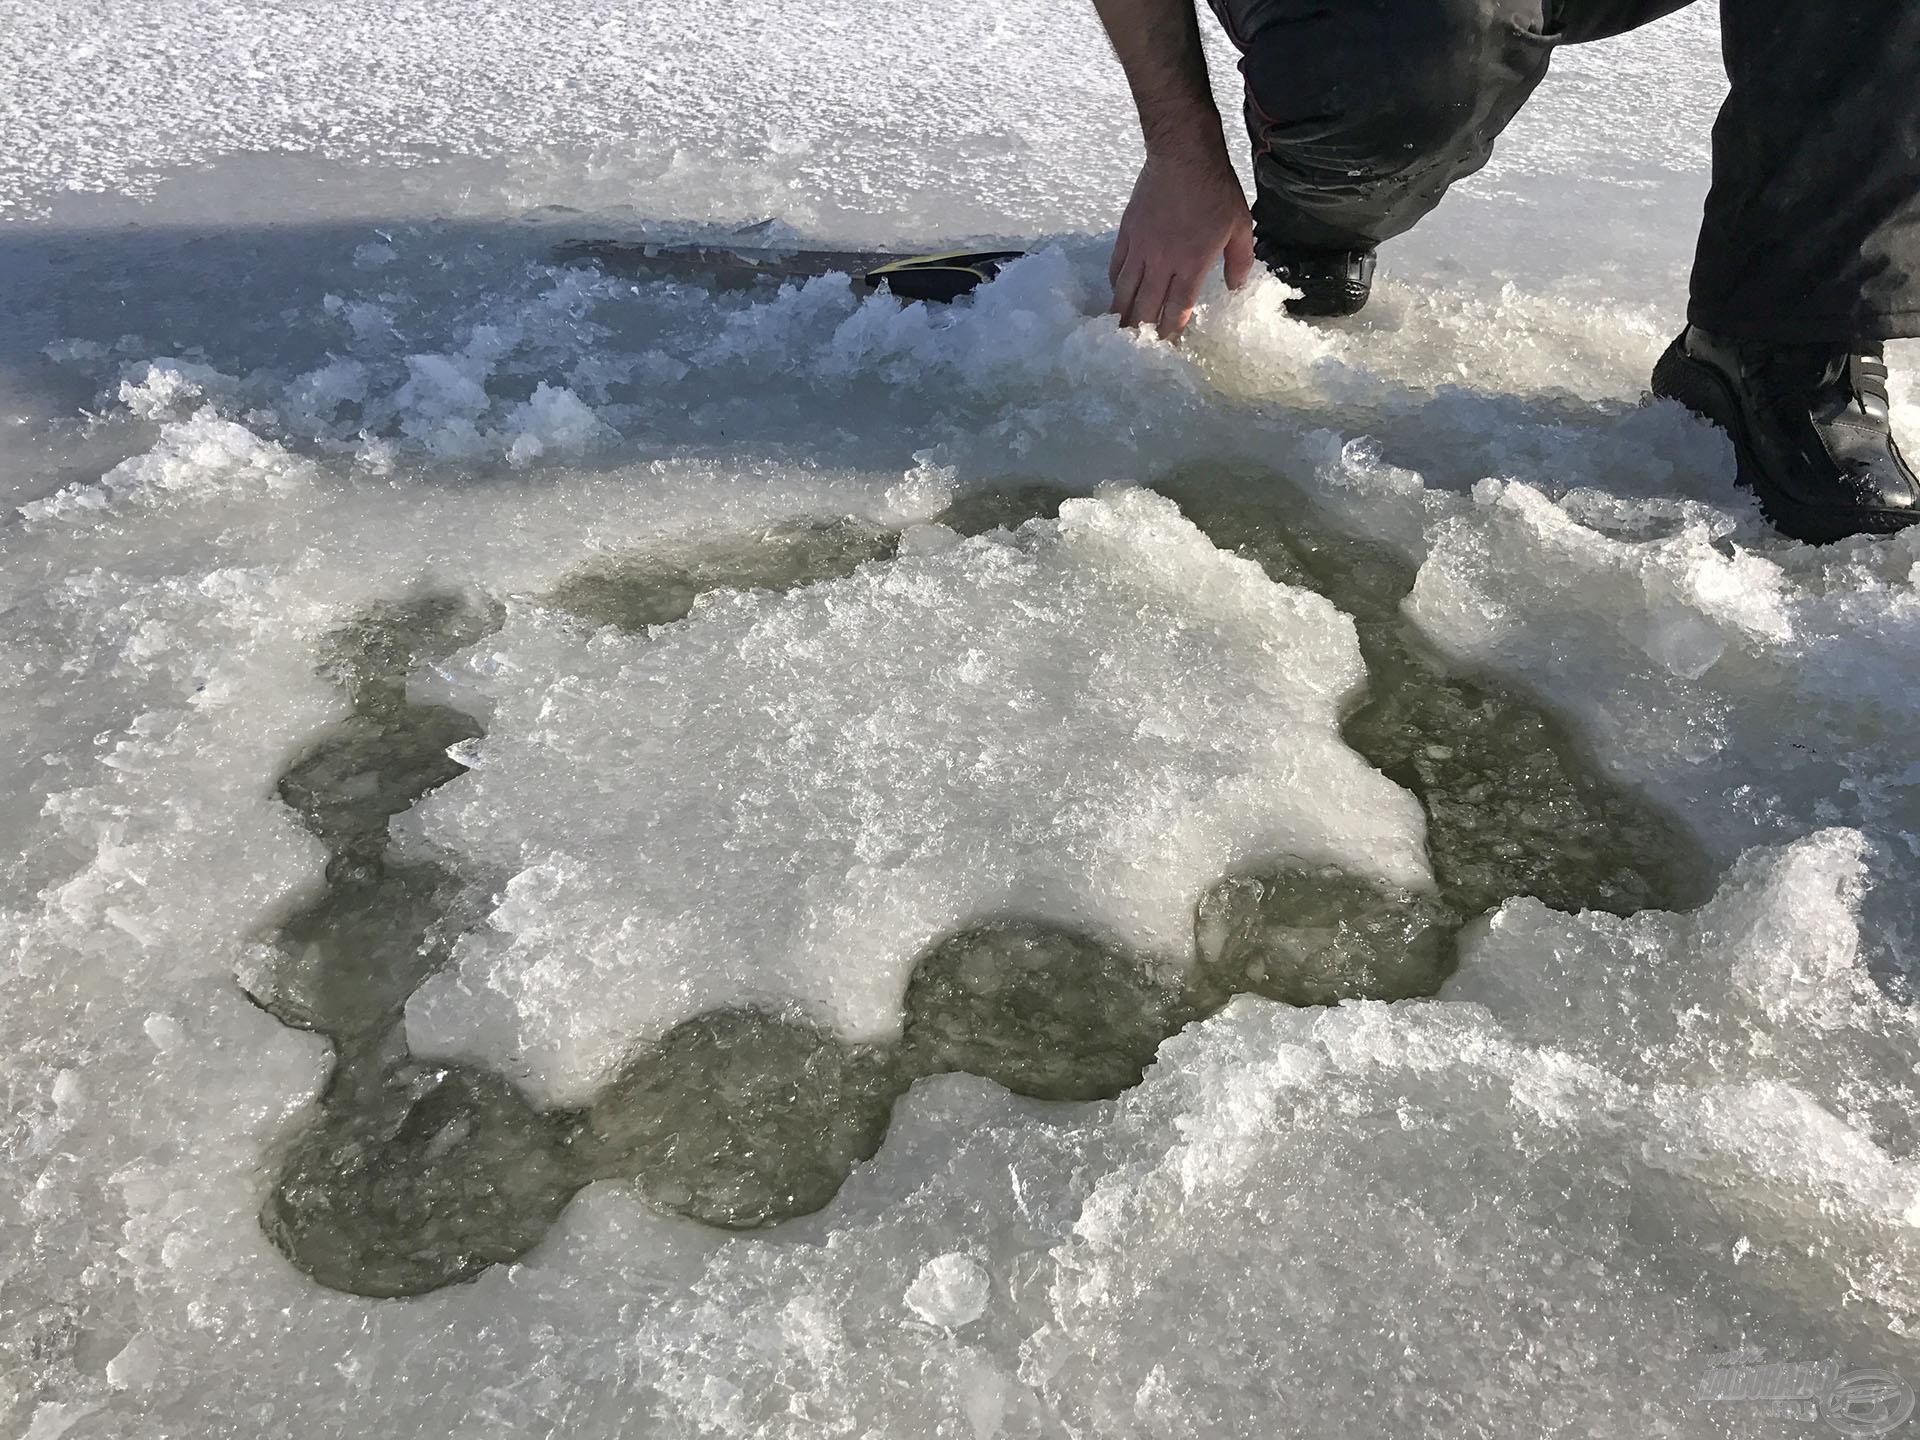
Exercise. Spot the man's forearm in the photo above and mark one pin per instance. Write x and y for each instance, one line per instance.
(1158, 42)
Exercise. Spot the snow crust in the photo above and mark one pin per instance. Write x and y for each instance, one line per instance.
(788, 798)
(1610, 1151)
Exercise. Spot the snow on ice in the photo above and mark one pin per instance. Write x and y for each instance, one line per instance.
(817, 786)
(665, 827)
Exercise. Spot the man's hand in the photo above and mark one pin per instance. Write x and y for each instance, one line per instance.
(1187, 208)
(1185, 214)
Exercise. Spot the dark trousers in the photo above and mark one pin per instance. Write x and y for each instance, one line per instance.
(1363, 112)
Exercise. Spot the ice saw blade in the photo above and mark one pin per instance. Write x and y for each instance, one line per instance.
(938, 277)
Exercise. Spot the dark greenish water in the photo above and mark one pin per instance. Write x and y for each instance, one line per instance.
(417, 1174)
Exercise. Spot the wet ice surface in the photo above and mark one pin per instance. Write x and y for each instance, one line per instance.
(745, 1112)
(650, 805)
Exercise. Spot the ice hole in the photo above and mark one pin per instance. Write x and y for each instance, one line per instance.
(1316, 936)
(345, 964)
(1040, 1009)
(741, 1117)
(1006, 506)
(390, 751)
(373, 766)
(369, 656)
(632, 593)
(418, 1177)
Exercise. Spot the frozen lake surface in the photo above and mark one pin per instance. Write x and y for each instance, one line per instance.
(598, 858)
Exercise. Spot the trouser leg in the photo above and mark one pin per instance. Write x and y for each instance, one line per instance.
(1812, 227)
(1363, 112)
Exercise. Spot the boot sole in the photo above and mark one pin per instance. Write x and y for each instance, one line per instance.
(1704, 391)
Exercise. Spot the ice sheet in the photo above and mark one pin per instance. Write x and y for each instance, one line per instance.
(1624, 1139)
(787, 799)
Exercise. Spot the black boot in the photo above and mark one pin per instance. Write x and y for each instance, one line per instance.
(1809, 425)
(1332, 282)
